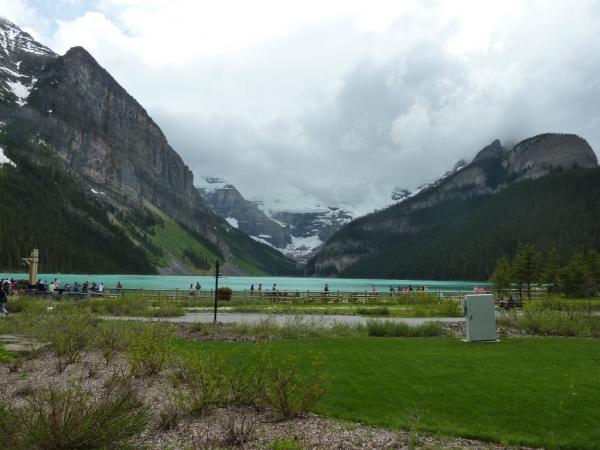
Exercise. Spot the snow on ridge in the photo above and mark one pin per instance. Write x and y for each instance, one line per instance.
(263, 241)
(5, 160)
(13, 38)
(212, 184)
(232, 221)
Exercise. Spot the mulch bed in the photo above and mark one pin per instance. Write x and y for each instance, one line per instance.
(252, 426)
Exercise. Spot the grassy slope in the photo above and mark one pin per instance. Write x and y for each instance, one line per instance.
(174, 239)
(538, 392)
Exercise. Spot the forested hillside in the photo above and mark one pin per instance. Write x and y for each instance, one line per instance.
(42, 206)
(463, 238)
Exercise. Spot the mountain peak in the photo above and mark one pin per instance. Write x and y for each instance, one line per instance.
(537, 155)
(14, 40)
(493, 150)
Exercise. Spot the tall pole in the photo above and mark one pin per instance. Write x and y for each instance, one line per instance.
(216, 288)
(32, 262)
(33, 269)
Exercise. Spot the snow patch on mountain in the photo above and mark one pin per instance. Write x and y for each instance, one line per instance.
(301, 247)
(232, 221)
(20, 90)
(4, 159)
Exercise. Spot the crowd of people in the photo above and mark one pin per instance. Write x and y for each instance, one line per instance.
(55, 287)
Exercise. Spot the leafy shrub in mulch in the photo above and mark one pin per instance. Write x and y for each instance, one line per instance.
(69, 334)
(70, 418)
(288, 393)
(149, 348)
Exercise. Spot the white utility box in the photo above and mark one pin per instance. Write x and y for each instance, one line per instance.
(480, 317)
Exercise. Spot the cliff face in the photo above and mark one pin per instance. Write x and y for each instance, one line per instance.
(70, 109)
(105, 135)
(492, 170)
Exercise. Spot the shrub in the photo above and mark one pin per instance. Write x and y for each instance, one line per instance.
(238, 429)
(224, 294)
(70, 334)
(5, 356)
(377, 311)
(149, 346)
(111, 339)
(380, 328)
(449, 308)
(69, 418)
(285, 392)
(285, 443)
(168, 417)
(199, 384)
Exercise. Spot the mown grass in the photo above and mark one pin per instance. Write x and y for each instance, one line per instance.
(537, 392)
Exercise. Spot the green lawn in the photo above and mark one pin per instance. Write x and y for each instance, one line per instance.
(538, 392)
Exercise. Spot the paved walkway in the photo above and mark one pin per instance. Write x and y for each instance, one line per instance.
(321, 319)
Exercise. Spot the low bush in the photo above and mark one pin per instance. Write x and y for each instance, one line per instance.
(224, 294)
(69, 333)
(285, 443)
(70, 418)
(287, 393)
(5, 356)
(199, 384)
(391, 328)
(553, 317)
(111, 339)
(373, 311)
(149, 347)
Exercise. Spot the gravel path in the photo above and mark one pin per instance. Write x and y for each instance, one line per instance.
(323, 319)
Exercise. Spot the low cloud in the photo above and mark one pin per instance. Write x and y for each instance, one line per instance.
(344, 103)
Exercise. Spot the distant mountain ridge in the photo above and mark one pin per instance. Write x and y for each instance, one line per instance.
(68, 110)
(297, 232)
(418, 217)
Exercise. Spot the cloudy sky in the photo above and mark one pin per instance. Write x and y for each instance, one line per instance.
(339, 100)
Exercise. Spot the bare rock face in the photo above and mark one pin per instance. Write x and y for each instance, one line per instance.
(229, 203)
(105, 135)
(536, 156)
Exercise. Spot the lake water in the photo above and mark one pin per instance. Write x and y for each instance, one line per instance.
(243, 283)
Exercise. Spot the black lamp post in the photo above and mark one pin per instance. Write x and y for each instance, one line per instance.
(216, 288)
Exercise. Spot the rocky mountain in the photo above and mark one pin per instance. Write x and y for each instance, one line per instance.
(242, 214)
(71, 110)
(296, 231)
(453, 201)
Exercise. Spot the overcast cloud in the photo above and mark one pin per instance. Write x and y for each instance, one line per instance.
(339, 100)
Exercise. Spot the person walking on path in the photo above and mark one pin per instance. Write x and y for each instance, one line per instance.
(252, 290)
(3, 300)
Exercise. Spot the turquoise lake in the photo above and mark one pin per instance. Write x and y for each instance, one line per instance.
(244, 283)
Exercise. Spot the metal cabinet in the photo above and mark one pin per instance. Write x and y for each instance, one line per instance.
(480, 317)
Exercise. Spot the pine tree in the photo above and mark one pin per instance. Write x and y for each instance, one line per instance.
(502, 276)
(526, 267)
(592, 262)
(551, 272)
(575, 277)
